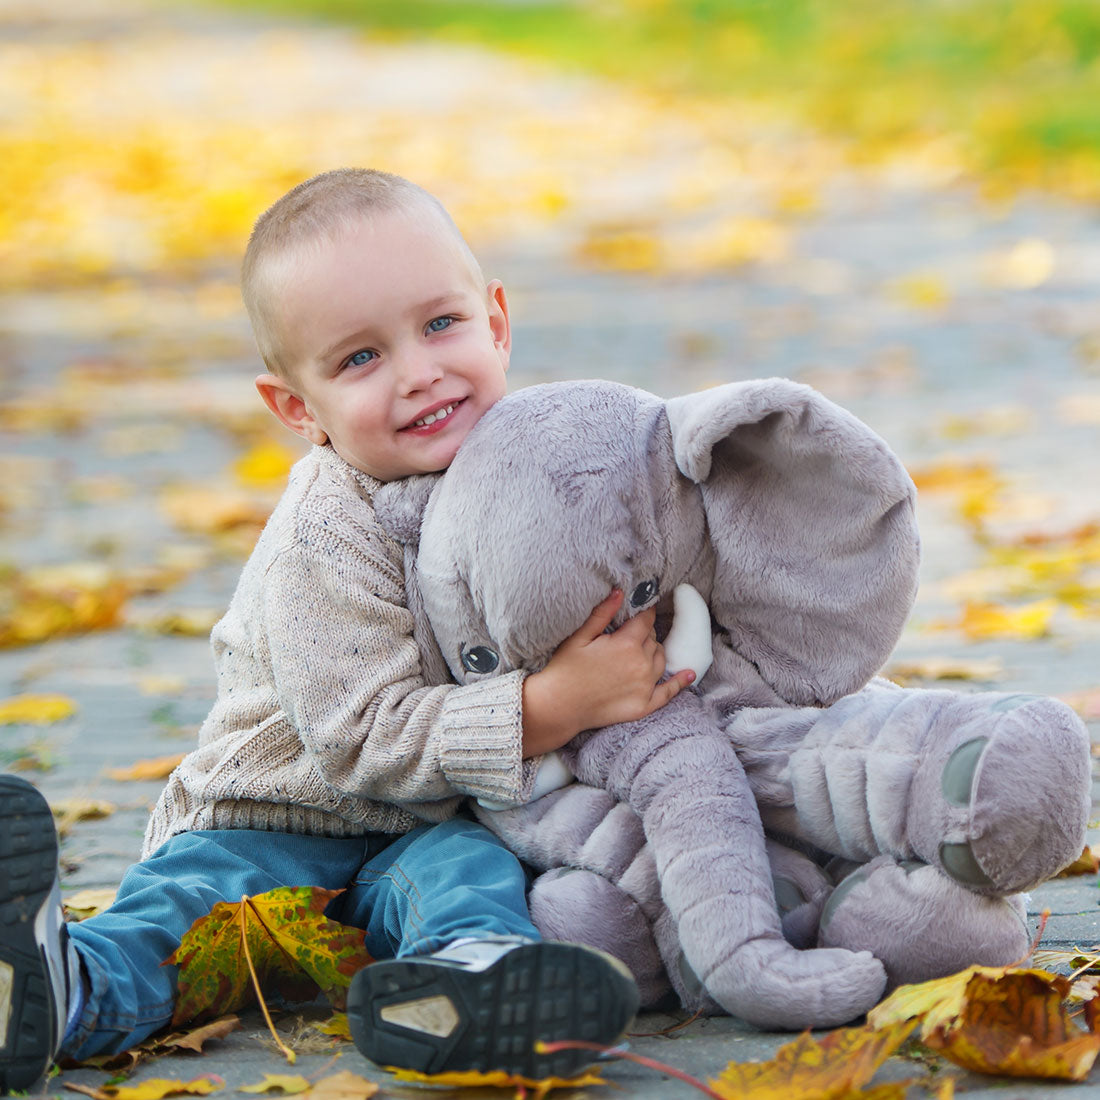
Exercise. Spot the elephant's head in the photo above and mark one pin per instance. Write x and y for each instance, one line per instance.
(791, 518)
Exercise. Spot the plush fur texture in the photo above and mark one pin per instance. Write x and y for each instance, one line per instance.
(795, 523)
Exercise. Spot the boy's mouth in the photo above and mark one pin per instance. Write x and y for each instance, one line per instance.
(435, 418)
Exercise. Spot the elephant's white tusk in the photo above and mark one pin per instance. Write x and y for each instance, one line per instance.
(688, 644)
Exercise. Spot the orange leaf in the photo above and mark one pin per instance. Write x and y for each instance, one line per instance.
(1087, 863)
(833, 1068)
(1002, 1021)
(158, 767)
(497, 1080)
(285, 936)
(1018, 1026)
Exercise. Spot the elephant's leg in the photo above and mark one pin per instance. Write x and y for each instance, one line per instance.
(922, 924)
(993, 789)
(683, 778)
(583, 907)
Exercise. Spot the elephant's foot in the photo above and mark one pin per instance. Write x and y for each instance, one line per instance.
(582, 907)
(768, 983)
(920, 923)
(1001, 803)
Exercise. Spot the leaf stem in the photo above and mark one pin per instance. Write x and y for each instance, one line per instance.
(640, 1059)
(290, 1056)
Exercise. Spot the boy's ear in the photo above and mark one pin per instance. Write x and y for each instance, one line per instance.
(499, 324)
(289, 408)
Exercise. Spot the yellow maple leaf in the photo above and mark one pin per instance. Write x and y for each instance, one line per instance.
(835, 1067)
(155, 1088)
(157, 767)
(35, 710)
(497, 1080)
(279, 939)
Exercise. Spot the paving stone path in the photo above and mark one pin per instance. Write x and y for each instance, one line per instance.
(962, 332)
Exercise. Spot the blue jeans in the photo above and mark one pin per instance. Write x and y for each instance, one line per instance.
(412, 894)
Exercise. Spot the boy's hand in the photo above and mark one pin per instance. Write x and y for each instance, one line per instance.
(596, 679)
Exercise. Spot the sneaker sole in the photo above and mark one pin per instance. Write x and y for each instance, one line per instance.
(28, 870)
(435, 1018)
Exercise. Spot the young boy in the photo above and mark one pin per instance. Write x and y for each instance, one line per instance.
(337, 754)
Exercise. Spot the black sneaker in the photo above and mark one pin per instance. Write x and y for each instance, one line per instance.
(483, 1004)
(33, 942)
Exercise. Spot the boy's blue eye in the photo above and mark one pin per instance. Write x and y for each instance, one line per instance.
(439, 324)
(360, 357)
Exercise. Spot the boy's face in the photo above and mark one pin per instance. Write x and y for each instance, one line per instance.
(394, 348)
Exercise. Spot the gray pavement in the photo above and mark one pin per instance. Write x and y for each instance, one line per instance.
(156, 387)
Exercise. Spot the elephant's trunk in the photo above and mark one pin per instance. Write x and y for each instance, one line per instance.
(681, 776)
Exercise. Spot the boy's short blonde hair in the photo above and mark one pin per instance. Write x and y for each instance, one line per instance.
(310, 213)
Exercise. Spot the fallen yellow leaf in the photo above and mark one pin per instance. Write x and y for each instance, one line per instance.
(87, 903)
(497, 1080)
(158, 767)
(266, 464)
(286, 1083)
(336, 1024)
(155, 1088)
(342, 1086)
(980, 621)
(36, 710)
(835, 1067)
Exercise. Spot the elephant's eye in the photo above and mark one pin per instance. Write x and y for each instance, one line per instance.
(479, 658)
(646, 592)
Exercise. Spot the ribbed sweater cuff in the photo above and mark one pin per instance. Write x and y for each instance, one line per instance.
(483, 744)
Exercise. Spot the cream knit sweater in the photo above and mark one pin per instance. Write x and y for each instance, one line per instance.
(329, 718)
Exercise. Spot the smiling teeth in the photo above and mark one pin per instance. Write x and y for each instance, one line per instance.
(431, 418)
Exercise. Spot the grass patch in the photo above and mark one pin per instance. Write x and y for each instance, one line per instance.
(1016, 83)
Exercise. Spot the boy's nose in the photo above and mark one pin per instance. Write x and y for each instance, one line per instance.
(417, 370)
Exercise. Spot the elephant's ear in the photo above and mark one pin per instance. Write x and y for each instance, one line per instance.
(400, 506)
(812, 520)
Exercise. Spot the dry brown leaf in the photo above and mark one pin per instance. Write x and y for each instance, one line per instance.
(1011, 1022)
(835, 1067)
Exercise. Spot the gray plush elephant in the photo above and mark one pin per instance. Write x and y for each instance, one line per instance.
(794, 524)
